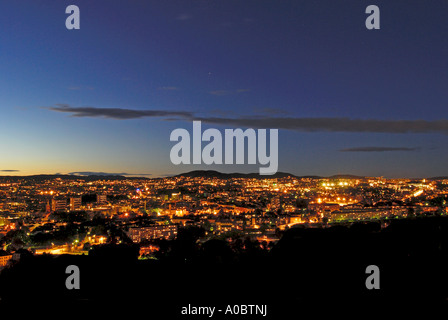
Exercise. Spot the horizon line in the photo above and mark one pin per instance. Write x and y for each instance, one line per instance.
(162, 176)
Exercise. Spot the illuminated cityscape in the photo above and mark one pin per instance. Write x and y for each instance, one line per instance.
(69, 214)
(195, 224)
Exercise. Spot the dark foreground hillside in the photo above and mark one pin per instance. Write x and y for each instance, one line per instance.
(321, 271)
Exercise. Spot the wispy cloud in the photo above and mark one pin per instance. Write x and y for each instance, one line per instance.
(94, 173)
(378, 149)
(9, 170)
(117, 113)
(263, 121)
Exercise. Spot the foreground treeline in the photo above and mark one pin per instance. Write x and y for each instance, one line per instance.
(307, 268)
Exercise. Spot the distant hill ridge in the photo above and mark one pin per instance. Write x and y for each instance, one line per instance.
(221, 175)
(41, 177)
(217, 174)
(191, 174)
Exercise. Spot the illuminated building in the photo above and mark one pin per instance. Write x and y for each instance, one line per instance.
(58, 204)
(153, 232)
(101, 198)
(75, 203)
(4, 260)
(324, 207)
(359, 214)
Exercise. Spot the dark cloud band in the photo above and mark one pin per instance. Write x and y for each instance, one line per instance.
(93, 173)
(377, 149)
(337, 124)
(117, 113)
(288, 123)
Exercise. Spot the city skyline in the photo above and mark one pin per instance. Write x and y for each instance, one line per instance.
(104, 99)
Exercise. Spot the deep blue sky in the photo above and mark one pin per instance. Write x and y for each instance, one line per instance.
(242, 60)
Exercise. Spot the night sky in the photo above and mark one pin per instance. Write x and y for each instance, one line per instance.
(105, 98)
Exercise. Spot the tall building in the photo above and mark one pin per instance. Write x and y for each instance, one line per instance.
(59, 204)
(101, 198)
(75, 203)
